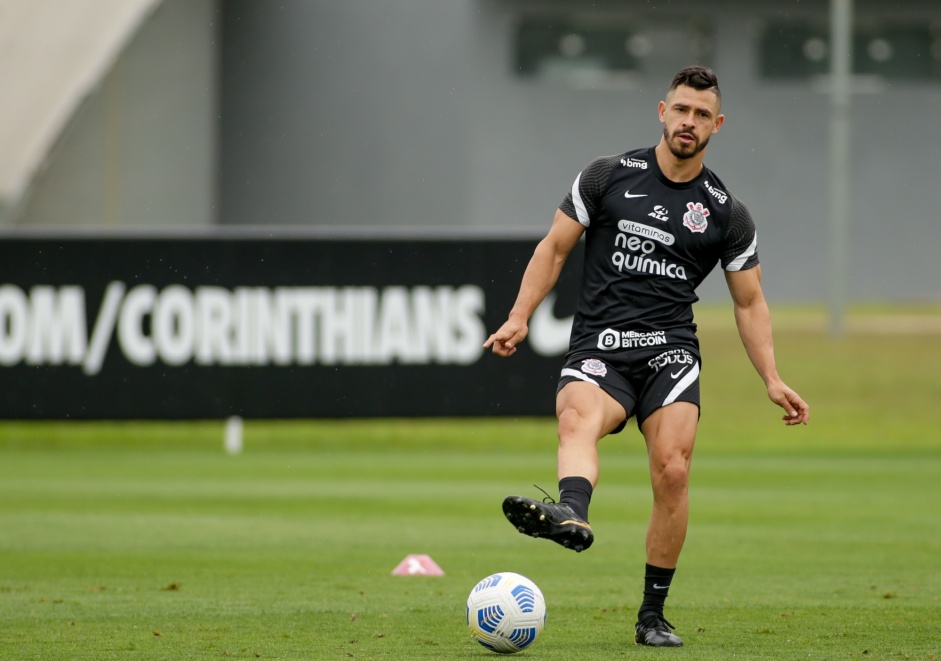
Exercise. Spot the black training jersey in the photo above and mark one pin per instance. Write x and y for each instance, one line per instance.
(649, 242)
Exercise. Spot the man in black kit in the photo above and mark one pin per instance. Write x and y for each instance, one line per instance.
(656, 222)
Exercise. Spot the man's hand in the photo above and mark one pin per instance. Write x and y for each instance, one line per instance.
(505, 340)
(539, 278)
(796, 409)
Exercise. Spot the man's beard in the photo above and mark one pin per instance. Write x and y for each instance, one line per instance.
(682, 151)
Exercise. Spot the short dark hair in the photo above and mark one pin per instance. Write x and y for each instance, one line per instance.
(699, 78)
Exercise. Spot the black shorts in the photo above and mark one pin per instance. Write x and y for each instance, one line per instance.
(641, 379)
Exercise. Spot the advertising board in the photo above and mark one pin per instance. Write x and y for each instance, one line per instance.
(271, 326)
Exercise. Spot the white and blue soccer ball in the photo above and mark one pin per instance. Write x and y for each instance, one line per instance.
(506, 612)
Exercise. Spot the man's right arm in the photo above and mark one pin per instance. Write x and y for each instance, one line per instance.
(540, 277)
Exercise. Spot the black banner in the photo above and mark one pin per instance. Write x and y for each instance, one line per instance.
(196, 327)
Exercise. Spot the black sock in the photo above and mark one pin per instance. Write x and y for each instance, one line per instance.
(656, 586)
(576, 493)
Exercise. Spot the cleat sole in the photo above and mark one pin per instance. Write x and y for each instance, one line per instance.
(536, 520)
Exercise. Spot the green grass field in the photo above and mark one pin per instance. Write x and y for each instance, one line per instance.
(147, 541)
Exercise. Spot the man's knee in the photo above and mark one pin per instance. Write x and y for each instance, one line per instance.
(671, 477)
(582, 408)
(571, 418)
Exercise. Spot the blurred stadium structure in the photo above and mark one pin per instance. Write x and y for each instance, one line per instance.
(107, 117)
(463, 114)
(54, 54)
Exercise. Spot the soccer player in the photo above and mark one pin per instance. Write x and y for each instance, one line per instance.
(656, 222)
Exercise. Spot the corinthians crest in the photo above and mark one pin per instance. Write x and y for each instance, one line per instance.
(594, 366)
(695, 218)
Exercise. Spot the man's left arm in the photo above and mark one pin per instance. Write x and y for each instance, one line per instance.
(754, 327)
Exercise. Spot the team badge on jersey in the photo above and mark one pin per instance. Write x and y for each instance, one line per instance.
(594, 366)
(695, 218)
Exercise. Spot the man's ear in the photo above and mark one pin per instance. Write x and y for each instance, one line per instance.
(720, 120)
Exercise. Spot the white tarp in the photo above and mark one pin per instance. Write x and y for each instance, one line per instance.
(52, 54)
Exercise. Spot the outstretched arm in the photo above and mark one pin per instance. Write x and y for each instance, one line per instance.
(540, 277)
(754, 327)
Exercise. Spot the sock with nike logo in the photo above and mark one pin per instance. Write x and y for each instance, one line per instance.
(576, 493)
(656, 586)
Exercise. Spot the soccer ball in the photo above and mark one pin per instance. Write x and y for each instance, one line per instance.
(505, 612)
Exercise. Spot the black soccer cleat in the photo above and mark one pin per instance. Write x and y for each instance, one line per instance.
(554, 521)
(656, 632)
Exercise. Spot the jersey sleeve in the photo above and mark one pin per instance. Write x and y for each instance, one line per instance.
(584, 200)
(740, 251)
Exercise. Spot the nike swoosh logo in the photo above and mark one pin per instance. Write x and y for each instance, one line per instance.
(548, 334)
(672, 375)
(661, 587)
(628, 195)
